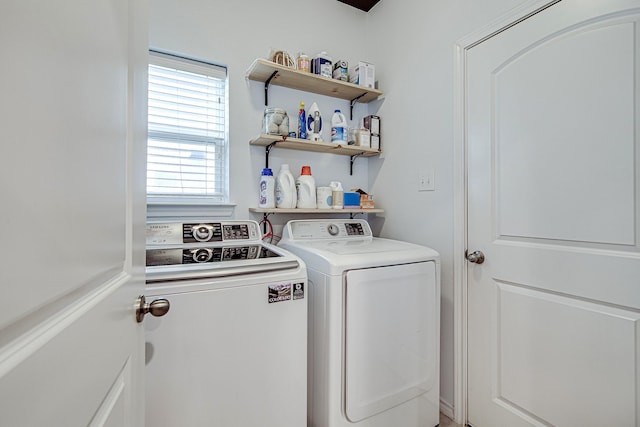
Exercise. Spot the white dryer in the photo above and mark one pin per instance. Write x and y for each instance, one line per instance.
(374, 322)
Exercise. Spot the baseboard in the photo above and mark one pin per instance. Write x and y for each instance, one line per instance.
(446, 408)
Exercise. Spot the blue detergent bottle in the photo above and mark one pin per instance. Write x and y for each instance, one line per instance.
(302, 122)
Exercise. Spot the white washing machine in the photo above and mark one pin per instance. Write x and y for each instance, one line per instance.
(374, 325)
(232, 350)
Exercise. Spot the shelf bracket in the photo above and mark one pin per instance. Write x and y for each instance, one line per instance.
(266, 88)
(355, 156)
(267, 150)
(353, 102)
(265, 215)
(353, 214)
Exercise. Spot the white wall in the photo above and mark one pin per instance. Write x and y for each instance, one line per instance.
(236, 33)
(411, 44)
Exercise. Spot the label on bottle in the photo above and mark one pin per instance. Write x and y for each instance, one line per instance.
(338, 134)
(304, 64)
(302, 125)
(337, 199)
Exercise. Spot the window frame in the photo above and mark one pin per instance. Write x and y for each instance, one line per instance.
(184, 205)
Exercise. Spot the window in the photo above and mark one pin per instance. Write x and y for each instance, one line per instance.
(187, 147)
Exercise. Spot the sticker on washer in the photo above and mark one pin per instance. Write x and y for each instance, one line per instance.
(298, 290)
(279, 293)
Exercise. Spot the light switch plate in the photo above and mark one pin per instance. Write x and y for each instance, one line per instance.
(426, 180)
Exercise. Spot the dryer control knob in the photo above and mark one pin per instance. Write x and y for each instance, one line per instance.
(333, 229)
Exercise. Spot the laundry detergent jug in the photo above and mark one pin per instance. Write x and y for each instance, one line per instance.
(338, 128)
(306, 189)
(337, 195)
(285, 189)
(267, 189)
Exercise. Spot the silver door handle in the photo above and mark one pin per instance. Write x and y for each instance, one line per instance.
(157, 308)
(476, 257)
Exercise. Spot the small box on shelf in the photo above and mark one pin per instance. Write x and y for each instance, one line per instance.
(352, 200)
(366, 200)
(363, 74)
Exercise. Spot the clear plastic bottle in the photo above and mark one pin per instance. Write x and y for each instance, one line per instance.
(306, 189)
(285, 189)
(267, 189)
(304, 64)
(337, 195)
(338, 128)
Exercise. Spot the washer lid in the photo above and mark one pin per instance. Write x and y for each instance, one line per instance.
(189, 262)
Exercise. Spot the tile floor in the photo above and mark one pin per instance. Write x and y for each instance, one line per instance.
(446, 422)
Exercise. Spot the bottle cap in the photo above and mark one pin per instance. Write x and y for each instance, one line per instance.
(306, 170)
(267, 172)
(336, 111)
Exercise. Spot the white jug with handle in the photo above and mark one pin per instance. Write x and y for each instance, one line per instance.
(306, 189)
(285, 189)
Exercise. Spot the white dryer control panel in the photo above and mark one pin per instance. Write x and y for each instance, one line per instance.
(337, 229)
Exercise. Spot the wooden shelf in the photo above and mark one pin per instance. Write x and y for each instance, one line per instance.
(271, 73)
(313, 211)
(318, 147)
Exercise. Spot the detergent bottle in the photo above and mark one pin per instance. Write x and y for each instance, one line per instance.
(267, 189)
(337, 195)
(285, 188)
(306, 189)
(338, 128)
(302, 122)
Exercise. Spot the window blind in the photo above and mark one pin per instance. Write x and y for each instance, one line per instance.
(187, 130)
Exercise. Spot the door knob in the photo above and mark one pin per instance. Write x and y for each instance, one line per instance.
(158, 307)
(476, 257)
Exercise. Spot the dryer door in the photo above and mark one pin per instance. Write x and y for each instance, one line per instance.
(391, 336)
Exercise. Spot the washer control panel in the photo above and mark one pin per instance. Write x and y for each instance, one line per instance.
(177, 233)
(327, 229)
(205, 254)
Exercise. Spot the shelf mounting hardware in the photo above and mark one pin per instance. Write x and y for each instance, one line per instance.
(266, 88)
(355, 156)
(267, 149)
(265, 216)
(353, 102)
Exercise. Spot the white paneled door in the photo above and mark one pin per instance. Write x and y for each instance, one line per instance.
(553, 158)
(72, 195)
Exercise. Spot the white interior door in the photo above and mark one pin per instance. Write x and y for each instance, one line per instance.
(554, 205)
(72, 115)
